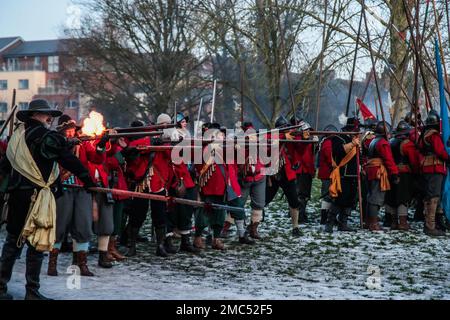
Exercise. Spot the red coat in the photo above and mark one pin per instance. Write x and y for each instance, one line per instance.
(96, 162)
(80, 153)
(409, 150)
(285, 157)
(181, 171)
(137, 168)
(383, 151)
(161, 172)
(436, 146)
(303, 155)
(325, 160)
(212, 182)
(251, 172)
(114, 162)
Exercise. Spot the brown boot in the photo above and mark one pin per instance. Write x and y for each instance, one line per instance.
(82, 264)
(403, 225)
(217, 244)
(112, 249)
(199, 243)
(52, 263)
(430, 218)
(394, 222)
(373, 224)
(253, 230)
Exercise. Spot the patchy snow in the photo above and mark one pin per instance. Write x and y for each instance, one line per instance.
(315, 266)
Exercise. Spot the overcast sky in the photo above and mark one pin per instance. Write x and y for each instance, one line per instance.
(35, 19)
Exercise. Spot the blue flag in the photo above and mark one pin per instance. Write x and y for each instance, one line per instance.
(445, 202)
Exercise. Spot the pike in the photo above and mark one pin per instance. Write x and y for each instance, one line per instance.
(124, 135)
(8, 119)
(155, 197)
(213, 101)
(198, 118)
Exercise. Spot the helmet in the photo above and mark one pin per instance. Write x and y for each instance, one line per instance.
(330, 127)
(137, 123)
(410, 117)
(402, 127)
(379, 128)
(281, 122)
(305, 125)
(351, 124)
(433, 118)
(294, 120)
(371, 124)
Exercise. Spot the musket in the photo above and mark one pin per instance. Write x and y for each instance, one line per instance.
(333, 133)
(276, 130)
(8, 119)
(13, 114)
(213, 101)
(146, 128)
(155, 197)
(123, 135)
(358, 173)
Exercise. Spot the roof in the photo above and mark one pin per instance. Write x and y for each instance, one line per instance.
(36, 48)
(6, 42)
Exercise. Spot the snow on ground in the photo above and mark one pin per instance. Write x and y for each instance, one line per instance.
(361, 265)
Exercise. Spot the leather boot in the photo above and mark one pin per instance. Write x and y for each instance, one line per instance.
(440, 221)
(82, 264)
(373, 224)
(32, 273)
(52, 263)
(132, 240)
(253, 230)
(103, 260)
(331, 220)
(8, 258)
(186, 245)
(343, 220)
(430, 207)
(323, 216)
(169, 246)
(246, 240)
(112, 249)
(217, 244)
(160, 239)
(403, 225)
(199, 243)
(394, 222)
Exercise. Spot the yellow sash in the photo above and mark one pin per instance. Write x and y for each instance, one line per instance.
(335, 176)
(40, 224)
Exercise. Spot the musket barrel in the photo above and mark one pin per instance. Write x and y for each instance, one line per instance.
(146, 128)
(124, 135)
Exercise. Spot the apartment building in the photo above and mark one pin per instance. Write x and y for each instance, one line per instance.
(35, 70)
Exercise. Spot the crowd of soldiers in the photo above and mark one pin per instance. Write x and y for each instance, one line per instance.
(397, 168)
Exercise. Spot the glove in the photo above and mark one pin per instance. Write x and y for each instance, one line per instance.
(130, 152)
(72, 142)
(395, 179)
(156, 141)
(103, 140)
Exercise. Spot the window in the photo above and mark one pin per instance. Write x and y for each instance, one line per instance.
(23, 105)
(72, 104)
(3, 84)
(3, 107)
(37, 61)
(53, 64)
(23, 84)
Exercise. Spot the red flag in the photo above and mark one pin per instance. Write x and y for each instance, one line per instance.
(366, 114)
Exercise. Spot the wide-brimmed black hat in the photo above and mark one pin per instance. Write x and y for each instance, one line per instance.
(38, 105)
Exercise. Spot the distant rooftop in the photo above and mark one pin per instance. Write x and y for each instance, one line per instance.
(5, 42)
(36, 48)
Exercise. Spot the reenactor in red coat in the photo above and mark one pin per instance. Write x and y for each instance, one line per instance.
(303, 163)
(407, 159)
(380, 171)
(218, 183)
(285, 178)
(434, 170)
(325, 166)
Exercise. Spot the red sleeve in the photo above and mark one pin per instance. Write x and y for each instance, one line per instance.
(438, 147)
(92, 154)
(384, 149)
(326, 152)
